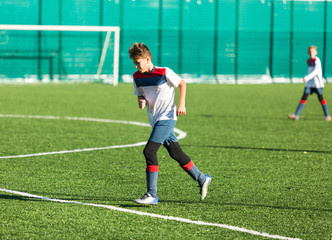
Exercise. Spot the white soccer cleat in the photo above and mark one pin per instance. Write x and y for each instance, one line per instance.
(293, 117)
(204, 188)
(328, 118)
(147, 199)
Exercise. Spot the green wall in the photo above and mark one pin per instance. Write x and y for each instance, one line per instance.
(206, 39)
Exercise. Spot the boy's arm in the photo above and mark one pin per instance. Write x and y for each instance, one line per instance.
(181, 110)
(140, 99)
(141, 102)
(313, 73)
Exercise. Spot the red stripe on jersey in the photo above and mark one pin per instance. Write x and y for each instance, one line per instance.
(323, 102)
(303, 101)
(156, 72)
(188, 166)
(159, 71)
(311, 60)
(152, 168)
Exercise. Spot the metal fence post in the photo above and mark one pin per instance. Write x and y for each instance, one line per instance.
(216, 25)
(160, 32)
(271, 39)
(236, 60)
(291, 41)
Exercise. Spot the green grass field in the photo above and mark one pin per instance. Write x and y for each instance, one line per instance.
(270, 174)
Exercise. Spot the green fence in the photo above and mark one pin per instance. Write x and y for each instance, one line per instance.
(204, 40)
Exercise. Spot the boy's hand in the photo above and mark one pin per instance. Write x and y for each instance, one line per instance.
(141, 102)
(303, 79)
(181, 110)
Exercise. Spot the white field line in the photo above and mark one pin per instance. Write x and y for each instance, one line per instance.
(178, 219)
(181, 134)
(75, 150)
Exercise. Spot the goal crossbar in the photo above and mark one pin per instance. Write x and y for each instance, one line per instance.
(108, 29)
(59, 28)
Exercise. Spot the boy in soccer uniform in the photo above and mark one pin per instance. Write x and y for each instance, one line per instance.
(154, 88)
(314, 84)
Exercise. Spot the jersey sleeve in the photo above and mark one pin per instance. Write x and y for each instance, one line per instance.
(315, 71)
(137, 91)
(172, 77)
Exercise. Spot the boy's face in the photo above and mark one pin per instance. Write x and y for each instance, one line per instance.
(312, 52)
(143, 64)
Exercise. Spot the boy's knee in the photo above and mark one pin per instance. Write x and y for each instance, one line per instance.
(150, 157)
(150, 153)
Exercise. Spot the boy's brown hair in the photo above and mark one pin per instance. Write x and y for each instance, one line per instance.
(139, 50)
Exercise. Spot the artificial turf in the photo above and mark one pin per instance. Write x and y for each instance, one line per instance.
(270, 174)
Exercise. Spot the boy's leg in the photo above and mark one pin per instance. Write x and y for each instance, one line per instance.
(323, 102)
(159, 133)
(296, 116)
(301, 104)
(152, 168)
(185, 162)
(150, 153)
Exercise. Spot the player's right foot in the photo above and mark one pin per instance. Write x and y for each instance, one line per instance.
(328, 118)
(293, 117)
(147, 199)
(204, 187)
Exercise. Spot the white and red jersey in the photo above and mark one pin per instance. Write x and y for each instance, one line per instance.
(314, 78)
(158, 90)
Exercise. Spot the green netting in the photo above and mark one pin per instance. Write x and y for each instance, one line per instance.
(205, 40)
(53, 55)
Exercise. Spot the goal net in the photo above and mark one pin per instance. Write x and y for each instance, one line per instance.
(49, 53)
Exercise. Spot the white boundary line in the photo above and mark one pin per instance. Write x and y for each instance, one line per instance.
(181, 134)
(178, 219)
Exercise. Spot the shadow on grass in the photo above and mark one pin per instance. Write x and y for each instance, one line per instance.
(62, 196)
(74, 199)
(308, 117)
(247, 205)
(13, 197)
(262, 149)
(127, 205)
(276, 207)
(134, 205)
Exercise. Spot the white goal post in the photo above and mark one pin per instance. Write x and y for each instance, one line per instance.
(107, 29)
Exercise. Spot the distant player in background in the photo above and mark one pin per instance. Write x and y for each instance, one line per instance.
(314, 84)
(154, 87)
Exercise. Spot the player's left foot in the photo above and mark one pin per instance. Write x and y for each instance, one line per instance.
(204, 187)
(328, 118)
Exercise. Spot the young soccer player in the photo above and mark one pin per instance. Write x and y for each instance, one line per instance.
(314, 84)
(155, 89)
